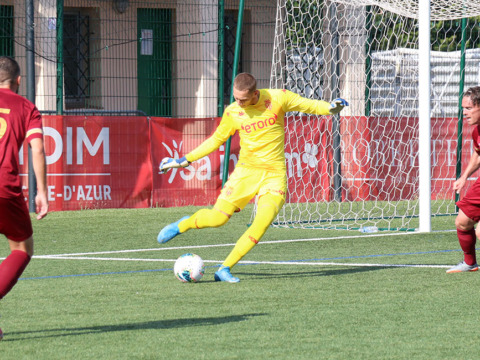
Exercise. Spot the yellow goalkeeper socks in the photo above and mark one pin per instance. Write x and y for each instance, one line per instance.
(218, 216)
(268, 207)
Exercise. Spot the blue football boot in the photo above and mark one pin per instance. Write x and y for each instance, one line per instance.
(169, 231)
(223, 274)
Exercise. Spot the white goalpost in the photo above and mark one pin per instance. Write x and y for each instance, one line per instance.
(389, 160)
(424, 148)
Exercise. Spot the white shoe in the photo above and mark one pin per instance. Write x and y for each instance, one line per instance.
(462, 267)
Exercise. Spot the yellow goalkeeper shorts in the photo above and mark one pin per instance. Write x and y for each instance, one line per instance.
(244, 183)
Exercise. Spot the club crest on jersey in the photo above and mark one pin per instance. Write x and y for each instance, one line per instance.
(228, 191)
(268, 104)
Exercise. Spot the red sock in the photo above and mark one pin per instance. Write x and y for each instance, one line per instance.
(10, 270)
(467, 240)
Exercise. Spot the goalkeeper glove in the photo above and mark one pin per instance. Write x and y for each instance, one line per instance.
(170, 163)
(337, 105)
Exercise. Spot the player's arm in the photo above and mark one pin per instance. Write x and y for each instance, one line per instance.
(295, 102)
(221, 134)
(40, 170)
(473, 165)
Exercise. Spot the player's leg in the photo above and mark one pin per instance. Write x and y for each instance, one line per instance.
(203, 218)
(14, 264)
(16, 225)
(467, 239)
(268, 207)
(235, 195)
(219, 215)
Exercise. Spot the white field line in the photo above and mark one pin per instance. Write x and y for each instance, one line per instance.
(84, 256)
(137, 250)
(224, 245)
(353, 264)
(301, 263)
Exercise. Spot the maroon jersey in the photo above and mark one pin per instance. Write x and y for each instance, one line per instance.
(20, 120)
(476, 139)
(470, 203)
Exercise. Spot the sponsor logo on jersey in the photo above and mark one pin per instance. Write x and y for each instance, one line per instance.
(260, 124)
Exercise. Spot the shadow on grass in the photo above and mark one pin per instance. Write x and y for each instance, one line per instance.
(159, 325)
(302, 274)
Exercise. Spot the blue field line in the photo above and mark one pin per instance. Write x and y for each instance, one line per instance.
(93, 274)
(376, 255)
(250, 263)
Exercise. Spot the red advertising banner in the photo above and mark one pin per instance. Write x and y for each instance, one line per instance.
(197, 184)
(112, 162)
(379, 161)
(308, 154)
(380, 157)
(96, 162)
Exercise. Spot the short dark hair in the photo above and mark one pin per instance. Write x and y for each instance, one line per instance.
(474, 94)
(9, 70)
(245, 81)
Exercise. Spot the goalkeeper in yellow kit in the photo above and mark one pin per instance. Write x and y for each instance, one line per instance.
(258, 116)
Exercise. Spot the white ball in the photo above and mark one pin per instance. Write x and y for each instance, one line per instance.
(189, 268)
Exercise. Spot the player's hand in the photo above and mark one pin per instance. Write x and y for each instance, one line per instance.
(41, 205)
(337, 105)
(170, 163)
(458, 185)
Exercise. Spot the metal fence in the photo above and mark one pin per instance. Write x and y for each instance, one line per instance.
(158, 58)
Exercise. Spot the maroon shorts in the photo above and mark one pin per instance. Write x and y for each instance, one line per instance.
(15, 221)
(470, 204)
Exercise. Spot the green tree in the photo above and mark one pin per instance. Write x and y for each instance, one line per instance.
(447, 35)
(391, 31)
(304, 21)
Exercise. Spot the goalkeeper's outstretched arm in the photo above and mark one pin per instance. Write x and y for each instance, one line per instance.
(221, 134)
(207, 147)
(295, 102)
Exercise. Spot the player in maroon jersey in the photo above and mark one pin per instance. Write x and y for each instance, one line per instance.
(469, 206)
(19, 121)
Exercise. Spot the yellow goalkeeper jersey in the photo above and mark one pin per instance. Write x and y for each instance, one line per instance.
(261, 128)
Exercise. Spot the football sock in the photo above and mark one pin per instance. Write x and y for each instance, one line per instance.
(267, 209)
(10, 270)
(467, 240)
(218, 216)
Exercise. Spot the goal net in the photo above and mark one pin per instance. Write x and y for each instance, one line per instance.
(361, 168)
